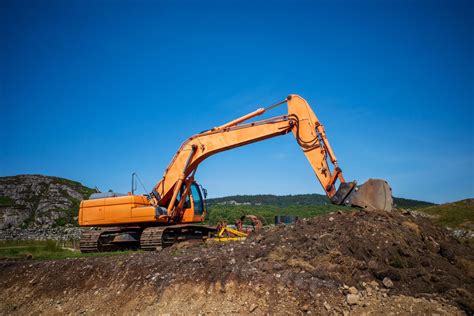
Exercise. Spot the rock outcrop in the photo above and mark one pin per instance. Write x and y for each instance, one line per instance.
(39, 203)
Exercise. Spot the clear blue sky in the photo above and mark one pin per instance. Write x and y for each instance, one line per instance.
(95, 90)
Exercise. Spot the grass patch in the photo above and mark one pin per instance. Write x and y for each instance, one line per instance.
(46, 250)
(6, 201)
(454, 215)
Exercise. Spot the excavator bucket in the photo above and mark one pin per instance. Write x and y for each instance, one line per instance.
(375, 194)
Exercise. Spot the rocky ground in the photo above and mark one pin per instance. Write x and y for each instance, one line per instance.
(55, 233)
(342, 263)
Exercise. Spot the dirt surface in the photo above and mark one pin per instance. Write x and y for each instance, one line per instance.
(342, 263)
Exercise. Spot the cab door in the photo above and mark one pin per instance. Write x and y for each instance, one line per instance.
(198, 202)
(193, 206)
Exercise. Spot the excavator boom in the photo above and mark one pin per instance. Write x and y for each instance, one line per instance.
(309, 134)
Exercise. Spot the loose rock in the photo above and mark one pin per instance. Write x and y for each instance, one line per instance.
(352, 299)
(253, 307)
(353, 290)
(327, 306)
(387, 283)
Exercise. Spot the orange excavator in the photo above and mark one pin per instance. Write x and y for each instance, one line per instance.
(175, 209)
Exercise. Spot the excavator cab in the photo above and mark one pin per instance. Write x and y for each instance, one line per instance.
(195, 205)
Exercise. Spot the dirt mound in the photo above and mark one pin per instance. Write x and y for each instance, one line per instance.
(343, 262)
(349, 248)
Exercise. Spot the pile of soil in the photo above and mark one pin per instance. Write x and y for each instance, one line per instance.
(362, 262)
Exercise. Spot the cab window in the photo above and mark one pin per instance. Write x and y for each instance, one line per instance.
(187, 203)
(198, 202)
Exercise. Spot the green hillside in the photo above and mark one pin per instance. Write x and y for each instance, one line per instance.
(297, 200)
(454, 215)
(230, 213)
(408, 203)
(269, 199)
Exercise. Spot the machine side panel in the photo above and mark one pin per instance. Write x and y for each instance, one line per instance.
(116, 210)
(125, 210)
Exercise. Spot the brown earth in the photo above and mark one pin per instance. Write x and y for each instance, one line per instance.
(342, 263)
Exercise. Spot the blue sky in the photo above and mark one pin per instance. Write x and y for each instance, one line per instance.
(95, 90)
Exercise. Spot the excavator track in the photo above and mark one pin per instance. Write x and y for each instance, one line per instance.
(157, 238)
(150, 239)
(107, 239)
(90, 241)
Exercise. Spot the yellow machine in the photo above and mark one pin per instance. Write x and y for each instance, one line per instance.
(166, 215)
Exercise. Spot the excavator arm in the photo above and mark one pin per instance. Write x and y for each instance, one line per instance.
(164, 217)
(309, 134)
